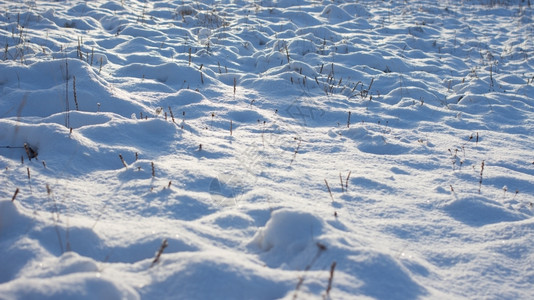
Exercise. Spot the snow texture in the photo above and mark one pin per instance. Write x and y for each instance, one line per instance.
(232, 149)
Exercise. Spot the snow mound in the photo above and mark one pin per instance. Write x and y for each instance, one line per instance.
(288, 231)
(335, 14)
(74, 286)
(288, 238)
(224, 280)
(479, 211)
(10, 219)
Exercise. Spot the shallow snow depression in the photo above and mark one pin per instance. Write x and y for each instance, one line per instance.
(266, 149)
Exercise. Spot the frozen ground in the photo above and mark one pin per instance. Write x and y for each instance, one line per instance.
(262, 142)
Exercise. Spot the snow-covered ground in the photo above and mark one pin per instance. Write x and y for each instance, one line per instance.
(264, 149)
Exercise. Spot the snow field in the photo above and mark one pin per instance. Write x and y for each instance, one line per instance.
(264, 141)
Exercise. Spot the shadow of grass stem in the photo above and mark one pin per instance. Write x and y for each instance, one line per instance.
(320, 249)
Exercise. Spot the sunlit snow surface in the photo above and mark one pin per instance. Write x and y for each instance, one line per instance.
(264, 141)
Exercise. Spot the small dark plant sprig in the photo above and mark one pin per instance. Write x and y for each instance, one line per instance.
(481, 175)
(189, 55)
(15, 195)
(470, 139)
(164, 244)
(455, 158)
(329, 190)
(235, 85)
(296, 150)
(29, 178)
(365, 92)
(122, 160)
(330, 279)
(74, 92)
(172, 115)
(6, 52)
(344, 186)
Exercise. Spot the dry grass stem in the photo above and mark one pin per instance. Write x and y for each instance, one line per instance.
(341, 181)
(74, 91)
(15, 195)
(330, 279)
(172, 115)
(235, 85)
(122, 160)
(329, 190)
(164, 244)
